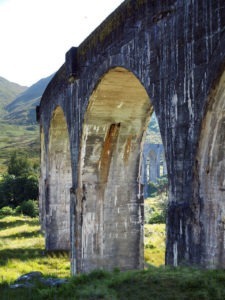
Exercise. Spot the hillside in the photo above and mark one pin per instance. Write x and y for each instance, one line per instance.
(21, 111)
(8, 92)
(19, 129)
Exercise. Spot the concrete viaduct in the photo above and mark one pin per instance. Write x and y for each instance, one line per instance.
(148, 55)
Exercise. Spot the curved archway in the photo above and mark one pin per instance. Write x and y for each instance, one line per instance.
(210, 163)
(111, 201)
(58, 184)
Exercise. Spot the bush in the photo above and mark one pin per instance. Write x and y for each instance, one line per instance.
(157, 218)
(15, 190)
(7, 211)
(28, 208)
(152, 189)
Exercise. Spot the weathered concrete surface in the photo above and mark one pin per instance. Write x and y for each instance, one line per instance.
(175, 51)
(56, 184)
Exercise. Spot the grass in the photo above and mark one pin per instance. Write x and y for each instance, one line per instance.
(154, 241)
(22, 251)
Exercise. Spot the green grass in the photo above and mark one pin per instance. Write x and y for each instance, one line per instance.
(154, 241)
(22, 251)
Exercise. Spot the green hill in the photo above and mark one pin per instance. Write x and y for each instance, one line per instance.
(19, 129)
(8, 92)
(21, 111)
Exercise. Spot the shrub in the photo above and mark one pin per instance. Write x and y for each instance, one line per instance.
(157, 218)
(152, 189)
(28, 208)
(7, 211)
(15, 190)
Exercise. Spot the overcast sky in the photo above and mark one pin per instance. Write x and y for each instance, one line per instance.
(36, 34)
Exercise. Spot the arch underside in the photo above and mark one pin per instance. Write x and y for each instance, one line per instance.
(57, 185)
(112, 202)
(211, 160)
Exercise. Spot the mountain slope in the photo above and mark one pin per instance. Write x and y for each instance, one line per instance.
(8, 92)
(21, 111)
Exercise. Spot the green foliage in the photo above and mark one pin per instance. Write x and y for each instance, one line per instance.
(7, 211)
(162, 185)
(15, 190)
(20, 183)
(18, 165)
(152, 189)
(156, 218)
(28, 208)
(156, 214)
(158, 188)
(156, 210)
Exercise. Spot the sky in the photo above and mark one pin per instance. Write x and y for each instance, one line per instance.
(36, 34)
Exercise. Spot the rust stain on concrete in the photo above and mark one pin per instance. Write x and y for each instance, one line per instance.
(107, 151)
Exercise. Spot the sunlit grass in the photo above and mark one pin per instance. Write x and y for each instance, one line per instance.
(22, 250)
(154, 241)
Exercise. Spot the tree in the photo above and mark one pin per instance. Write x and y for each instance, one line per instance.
(20, 183)
(18, 165)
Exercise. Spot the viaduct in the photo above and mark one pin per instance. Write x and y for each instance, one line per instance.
(148, 55)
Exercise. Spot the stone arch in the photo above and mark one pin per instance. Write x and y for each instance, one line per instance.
(57, 184)
(111, 200)
(210, 181)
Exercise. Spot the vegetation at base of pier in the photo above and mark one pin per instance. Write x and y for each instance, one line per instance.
(22, 251)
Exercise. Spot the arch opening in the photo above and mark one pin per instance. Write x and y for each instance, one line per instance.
(57, 185)
(110, 180)
(210, 162)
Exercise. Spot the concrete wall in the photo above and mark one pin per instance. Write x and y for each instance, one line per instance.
(175, 52)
